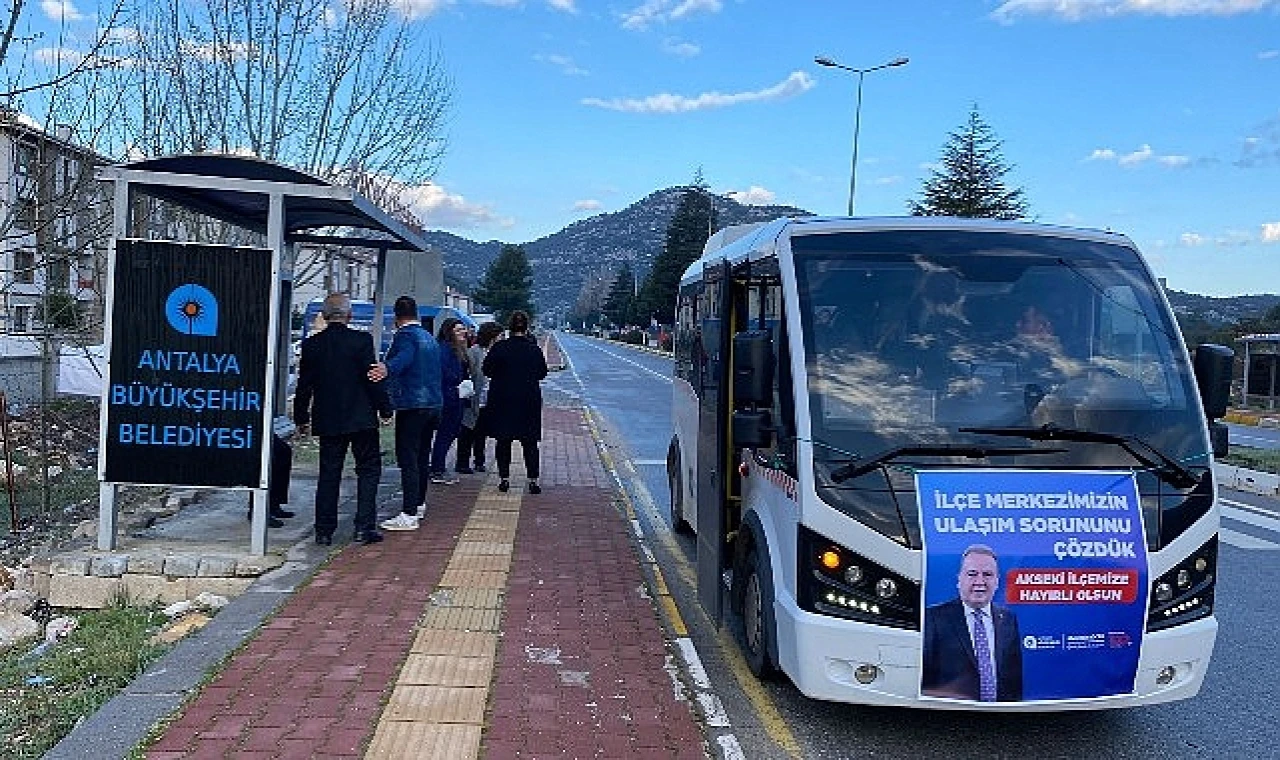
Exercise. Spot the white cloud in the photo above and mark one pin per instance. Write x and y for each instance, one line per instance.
(439, 208)
(563, 62)
(1191, 239)
(59, 56)
(1081, 10)
(1271, 232)
(1139, 157)
(1230, 238)
(795, 84)
(568, 6)
(61, 10)
(1267, 55)
(891, 180)
(676, 47)
(418, 9)
(753, 196)
(587, 205)
(663, 11)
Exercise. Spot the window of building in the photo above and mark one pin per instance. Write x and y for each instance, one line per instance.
(24, 159)
(22, 319)
(24, 218)
(24, 266)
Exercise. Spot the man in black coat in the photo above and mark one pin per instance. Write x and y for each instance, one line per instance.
(515, 367)
(340, 399)
(972, 648)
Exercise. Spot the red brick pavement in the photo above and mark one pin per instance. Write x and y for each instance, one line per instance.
(580, 668)
(313, 681)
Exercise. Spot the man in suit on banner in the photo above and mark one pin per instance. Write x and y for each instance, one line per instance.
(972, 648)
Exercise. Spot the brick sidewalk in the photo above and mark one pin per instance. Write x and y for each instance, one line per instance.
(555, 611)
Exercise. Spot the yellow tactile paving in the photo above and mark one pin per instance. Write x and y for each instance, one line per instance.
(473, 579)
(446, 670)
(398, 740)
(437, 704)
(459, 643)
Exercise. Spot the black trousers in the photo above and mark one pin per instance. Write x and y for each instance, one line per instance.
(471, 442)
(367, 452)
(281, 471)
(414, 430)
(502, 452)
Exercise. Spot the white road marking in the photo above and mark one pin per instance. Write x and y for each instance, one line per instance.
(730, 748)
(649, 462)
(693, 663)
(635, 364)
(1240, 438)
(1245, 516)
(712, 710)
(1245, 541)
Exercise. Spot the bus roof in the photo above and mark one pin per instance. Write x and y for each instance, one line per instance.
(757, 241)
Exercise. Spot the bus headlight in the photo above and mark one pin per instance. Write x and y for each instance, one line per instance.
(1185, 593)
(839, 582)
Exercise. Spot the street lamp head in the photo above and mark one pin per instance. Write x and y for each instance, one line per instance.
(902, 61)
(822, 60)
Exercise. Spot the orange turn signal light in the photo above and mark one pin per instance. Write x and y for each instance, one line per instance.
(830, 559)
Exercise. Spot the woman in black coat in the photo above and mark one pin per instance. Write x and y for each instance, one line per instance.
(514, 367)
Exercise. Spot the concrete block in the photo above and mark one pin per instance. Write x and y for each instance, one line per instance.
(252, 567)
(109, 565)
(216, 566)
(84, 592)
(228, 587)
(181, 566)
(155, 588)
(146, 564)
(69, 564)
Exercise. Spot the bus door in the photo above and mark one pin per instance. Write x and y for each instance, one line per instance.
(721, 312)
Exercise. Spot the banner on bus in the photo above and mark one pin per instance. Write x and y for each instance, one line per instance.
(1034, 587)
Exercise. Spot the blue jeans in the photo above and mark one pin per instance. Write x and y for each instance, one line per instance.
(450, 425)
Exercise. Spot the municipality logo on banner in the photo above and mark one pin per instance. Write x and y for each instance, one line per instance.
(192, 310)
(1035, 584)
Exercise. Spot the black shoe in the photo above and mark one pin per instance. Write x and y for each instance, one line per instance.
(463, 470)
(504, 485)
(479, 467)
(323, 540)
(281, 512)
(275, 522)
(369, 537)
(534, 487)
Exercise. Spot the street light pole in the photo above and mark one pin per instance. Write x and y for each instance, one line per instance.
(857, 112)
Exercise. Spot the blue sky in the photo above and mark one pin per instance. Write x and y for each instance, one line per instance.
(1156, 118)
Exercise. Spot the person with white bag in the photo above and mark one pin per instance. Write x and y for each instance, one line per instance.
(452, 337)
(472, 438)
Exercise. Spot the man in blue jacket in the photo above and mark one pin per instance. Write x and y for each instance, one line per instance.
(413, 382)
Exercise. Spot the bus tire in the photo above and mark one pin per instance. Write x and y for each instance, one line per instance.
(679, 523)
(756, 619)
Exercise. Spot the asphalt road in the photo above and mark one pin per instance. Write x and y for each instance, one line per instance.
(1235, 715)
(1254, 437)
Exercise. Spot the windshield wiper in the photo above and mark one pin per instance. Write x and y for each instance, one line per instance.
(1165, 467)
(863, 466)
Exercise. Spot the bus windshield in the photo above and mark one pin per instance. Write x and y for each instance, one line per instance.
(911, 336)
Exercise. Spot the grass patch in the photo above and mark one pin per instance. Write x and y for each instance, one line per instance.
(107, 650)
(307, 450)
(1263, 460)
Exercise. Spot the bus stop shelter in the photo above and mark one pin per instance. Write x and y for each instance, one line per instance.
(198, 332)
(1261, 378)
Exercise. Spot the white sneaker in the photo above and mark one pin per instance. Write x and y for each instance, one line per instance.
(401, 522)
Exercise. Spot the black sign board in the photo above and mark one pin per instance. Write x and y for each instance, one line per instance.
(187, 402)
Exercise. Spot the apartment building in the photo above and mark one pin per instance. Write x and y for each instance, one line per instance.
(54, 230)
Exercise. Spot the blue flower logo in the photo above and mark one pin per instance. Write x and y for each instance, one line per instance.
(192, 310)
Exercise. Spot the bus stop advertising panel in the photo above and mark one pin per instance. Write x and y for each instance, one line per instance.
(1035, 584)
(187, 401)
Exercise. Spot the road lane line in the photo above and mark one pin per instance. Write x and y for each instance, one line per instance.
(1270, 523)
(1245, 541)
(638, 365)
(1250, 508)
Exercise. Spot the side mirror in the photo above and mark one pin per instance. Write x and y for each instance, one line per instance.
(1220, 437)
(753, 368)
(1213, 365)
(752, 430)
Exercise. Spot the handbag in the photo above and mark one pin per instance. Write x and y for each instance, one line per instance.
(466, 389)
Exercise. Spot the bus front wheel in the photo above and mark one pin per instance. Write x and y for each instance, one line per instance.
(679, 523)
(757, 616)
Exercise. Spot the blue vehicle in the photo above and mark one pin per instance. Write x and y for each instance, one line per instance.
(362, 318)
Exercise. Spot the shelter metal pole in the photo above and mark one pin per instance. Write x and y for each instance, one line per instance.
(275, 241)
(379, 300)
(1244, 386)
(107, 491)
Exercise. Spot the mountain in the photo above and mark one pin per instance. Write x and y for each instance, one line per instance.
(562, 260)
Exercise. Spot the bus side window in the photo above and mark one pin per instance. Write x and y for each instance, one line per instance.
(782, 455)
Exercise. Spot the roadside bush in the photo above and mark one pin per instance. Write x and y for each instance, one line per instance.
(667, 343)
(634, 337)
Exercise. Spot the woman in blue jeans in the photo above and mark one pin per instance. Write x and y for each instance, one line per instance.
(452, 338)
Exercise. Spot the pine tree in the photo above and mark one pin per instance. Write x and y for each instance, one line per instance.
(970, 182)
(620, 305)
(507, 284)
(687, 234)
